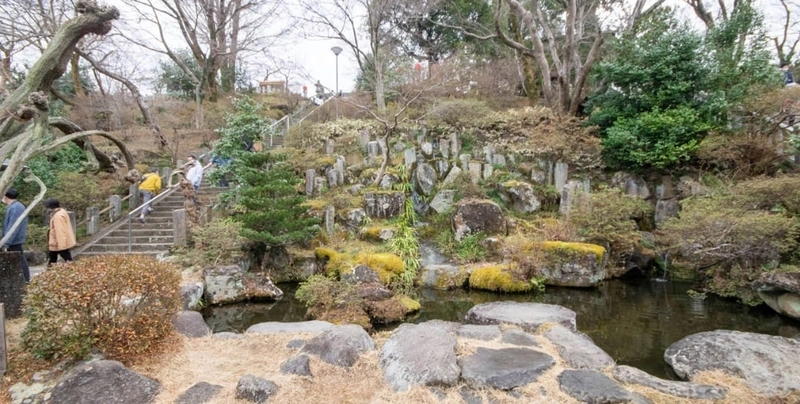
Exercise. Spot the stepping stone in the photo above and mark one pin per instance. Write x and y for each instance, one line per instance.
(504, 368)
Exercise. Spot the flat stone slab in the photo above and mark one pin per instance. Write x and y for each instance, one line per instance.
(518, 337)
(631, 375)
(768, 364)
(314, 326)
(578, 350)
(590, 386)
(504, 368)
(528, 316)
(479, 332)
(200, 393)
(420, 355)
(104, 382)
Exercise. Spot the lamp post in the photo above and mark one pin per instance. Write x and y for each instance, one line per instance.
(336, 51)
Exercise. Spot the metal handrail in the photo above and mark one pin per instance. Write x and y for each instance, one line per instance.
(168, 190)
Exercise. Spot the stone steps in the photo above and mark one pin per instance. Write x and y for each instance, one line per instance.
(153, 237)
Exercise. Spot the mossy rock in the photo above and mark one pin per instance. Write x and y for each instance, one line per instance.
(387, 265)
(498, 278)
(392, 310)
(572, 264)
(376, 233)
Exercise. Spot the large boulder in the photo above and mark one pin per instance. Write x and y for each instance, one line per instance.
(340, 346)
(190, 324)
(780, 291)
(631, 184)
(572, 264)
(231, 284)
(104, 382)
(473, 216)
(384, 204)
(505, 368)
(419, 355)
(768, 364)
(426, 179)
(528, 316)
(519, 195)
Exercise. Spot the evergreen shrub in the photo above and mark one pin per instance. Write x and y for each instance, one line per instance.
(121, 305)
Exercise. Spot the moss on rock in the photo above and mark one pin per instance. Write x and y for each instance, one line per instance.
(498, 278)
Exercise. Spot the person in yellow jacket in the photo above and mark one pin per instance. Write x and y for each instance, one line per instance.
(60, 236)
(149, 188)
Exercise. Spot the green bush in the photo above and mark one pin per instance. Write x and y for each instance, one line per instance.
(120, 305)
(78, 191)
(471, 249)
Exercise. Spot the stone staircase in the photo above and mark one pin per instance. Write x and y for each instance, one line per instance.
(154, 237)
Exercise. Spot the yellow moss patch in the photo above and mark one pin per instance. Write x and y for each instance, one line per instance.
(572, 249)
(410, 304)
(385, 264)
(497, 278)
(326, 161)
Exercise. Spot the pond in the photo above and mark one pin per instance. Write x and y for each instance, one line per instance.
(634, 321)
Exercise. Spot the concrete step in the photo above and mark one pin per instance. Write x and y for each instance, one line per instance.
(161, 239)
(114, 248)
(139, 232)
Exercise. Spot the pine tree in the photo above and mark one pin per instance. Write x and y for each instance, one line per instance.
(269, 203)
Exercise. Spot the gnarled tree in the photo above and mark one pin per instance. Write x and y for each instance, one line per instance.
(24, 116)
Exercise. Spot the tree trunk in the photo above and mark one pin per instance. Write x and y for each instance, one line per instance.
(160, 140)
(25, 127)
(75, 75)
(69, 128)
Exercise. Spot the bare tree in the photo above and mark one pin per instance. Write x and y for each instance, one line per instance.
(25, 124)
(350, 21)
(565, 40)
(786, 42)
(33, 24)
(218, 33)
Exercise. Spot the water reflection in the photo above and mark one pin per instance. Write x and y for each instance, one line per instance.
(633, 321)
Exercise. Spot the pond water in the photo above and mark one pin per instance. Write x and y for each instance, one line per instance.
(634, 321)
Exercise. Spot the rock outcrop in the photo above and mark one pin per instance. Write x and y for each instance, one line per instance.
(780, 291)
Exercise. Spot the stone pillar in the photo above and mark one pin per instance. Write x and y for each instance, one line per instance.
(373, 149)
(330, 213)
(464, 159)
(179, 226)
(330, 145)
(444, 148)
(339, 168)
(427, 149)
(475, 172)
(134, 199)
(73, 220)
(3, 355)
(455, 146)
(310, 179)
(12, 283)
(93, 221)
(410, 158)
(365, 137)
(116, 207)
(560, 175)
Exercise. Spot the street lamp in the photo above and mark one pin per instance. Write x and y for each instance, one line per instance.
(336, 51)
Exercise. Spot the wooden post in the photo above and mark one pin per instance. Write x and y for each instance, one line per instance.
(134, 199)
(93, 223)
(3, 355)
(116, 207)
(179, 226)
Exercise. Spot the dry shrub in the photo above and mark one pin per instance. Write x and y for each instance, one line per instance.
(780, 193)
(610, 218)
(729, 242)
(217, 242)
(458, 113)
(744, 155)
(121, 305)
